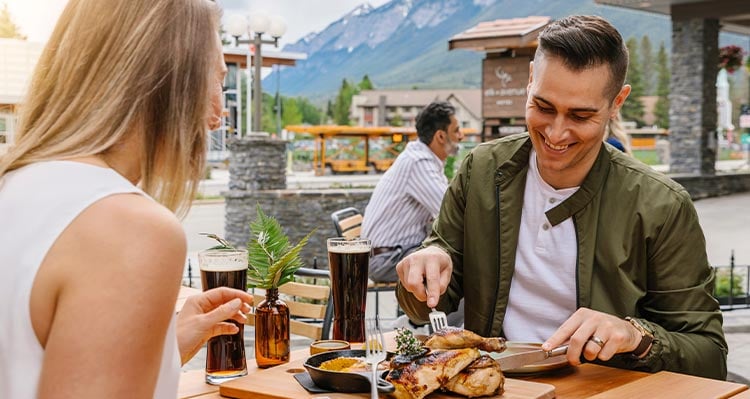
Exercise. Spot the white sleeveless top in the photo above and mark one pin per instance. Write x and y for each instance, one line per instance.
(37, 202)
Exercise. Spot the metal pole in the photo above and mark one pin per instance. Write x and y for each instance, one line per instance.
(257, 94)
(239, 131)
(249, 94)
(277, 69)
(731, 280)
(190, 274)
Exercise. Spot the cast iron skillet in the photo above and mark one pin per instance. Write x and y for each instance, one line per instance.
(340, 381)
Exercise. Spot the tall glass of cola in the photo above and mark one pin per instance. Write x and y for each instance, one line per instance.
(225, 356)
(349, 261)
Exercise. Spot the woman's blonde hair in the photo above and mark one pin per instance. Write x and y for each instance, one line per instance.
(615, 129)
(114, 68)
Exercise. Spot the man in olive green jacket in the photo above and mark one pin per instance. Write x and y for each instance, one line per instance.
(638, 251)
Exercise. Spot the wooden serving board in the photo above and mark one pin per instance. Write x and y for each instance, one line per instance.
(279, 383)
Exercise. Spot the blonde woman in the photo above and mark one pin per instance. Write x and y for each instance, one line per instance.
(122, 96)
(616, 135)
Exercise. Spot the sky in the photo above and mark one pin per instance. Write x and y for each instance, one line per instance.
(37, 17)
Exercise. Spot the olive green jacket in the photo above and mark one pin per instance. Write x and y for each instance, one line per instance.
(641, 253)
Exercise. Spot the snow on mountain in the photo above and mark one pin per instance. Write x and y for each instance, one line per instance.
(364, 25)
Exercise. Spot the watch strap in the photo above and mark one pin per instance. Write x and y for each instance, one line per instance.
(647, 338)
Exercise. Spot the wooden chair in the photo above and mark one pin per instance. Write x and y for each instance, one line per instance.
(312, 320)
(348, 224)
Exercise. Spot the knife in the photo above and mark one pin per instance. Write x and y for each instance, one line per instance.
(519, 360)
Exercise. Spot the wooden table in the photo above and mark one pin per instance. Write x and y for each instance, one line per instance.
(586, 381)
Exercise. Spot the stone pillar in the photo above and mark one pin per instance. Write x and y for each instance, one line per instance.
(692, 116)
(257, 163)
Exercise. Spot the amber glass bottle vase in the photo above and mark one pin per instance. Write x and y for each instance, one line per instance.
(271, 331)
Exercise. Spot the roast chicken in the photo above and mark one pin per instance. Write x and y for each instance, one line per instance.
(451, 362)
(482, 377)
(457, 338)
(418, 378)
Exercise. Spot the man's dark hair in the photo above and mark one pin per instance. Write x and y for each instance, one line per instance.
(434, 117)
(585, 41)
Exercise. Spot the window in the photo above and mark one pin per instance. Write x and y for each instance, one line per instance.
(368, 119)
(3, 129)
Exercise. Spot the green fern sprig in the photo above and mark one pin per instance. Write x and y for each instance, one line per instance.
(272, 260)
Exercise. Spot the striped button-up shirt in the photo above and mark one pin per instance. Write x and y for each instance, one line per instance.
(406, 199)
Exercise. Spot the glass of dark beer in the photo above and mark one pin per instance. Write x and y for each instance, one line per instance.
(349, 262)
(225, 355)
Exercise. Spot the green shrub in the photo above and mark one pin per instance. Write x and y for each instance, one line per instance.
(722, 285)
(450, 167)
(649, 157)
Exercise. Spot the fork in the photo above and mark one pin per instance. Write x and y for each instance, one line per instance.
(438, 319)
(374, 351)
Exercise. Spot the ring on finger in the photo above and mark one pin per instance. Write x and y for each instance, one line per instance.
(597, 341)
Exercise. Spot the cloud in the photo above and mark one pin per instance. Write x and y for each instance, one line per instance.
(37, 17)
(302, 16)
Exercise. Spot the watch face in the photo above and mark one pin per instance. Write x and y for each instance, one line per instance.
(646, 338)
(640, 327)
(635, 324)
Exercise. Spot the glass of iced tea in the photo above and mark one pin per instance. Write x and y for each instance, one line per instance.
(348, 262)
(225, 355)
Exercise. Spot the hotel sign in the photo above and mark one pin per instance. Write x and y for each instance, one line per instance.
(504, 82)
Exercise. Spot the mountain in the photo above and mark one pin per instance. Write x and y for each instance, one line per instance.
(404, 43)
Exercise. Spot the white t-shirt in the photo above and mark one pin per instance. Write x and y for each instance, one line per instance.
(543, 290)
(37, 202)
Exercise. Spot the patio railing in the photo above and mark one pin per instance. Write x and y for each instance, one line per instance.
(732, 285)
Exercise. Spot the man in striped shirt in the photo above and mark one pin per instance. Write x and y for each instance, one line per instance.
(407, 198)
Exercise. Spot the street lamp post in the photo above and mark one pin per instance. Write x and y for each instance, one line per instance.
(260, 24)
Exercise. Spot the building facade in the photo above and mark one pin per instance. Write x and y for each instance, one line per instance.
(401, 107)
(19, 57)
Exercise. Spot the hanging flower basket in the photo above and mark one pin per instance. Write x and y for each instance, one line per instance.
(730, 58)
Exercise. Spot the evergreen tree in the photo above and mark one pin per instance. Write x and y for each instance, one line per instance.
(339, 110)
(647, 66)
(310, 113)
(365, 83)
(291, 114)
(329, 112)
(268, 116)
(343, 103)
(661, 110)
(8, 29)
(632, 110)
